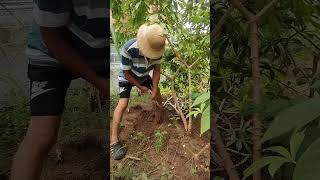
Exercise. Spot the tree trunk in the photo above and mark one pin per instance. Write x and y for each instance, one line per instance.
(314, 72)
(221, 150)
(190, 100)
(256, 123)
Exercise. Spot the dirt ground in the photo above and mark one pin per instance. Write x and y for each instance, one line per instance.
(174, 160)
(81, 158)
(85, 158)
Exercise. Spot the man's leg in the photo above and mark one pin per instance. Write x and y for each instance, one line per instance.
(116, 148)
(40, 137)
(117, 116)
(47, 97)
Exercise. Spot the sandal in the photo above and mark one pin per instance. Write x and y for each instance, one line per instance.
(117, 151)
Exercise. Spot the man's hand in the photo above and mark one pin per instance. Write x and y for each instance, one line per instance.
(155, 93)
(144, 90)
(103, 86)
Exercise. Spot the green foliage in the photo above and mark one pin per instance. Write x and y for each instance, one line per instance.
(165, 173)
(204, 101)
(122, 173)
(187, 25)
(160, 139)
(309, 159)
(15, 119)
(276, 160)
(13, 125)
(15, 93)
(288, 41)
(308, 165)
(296, 116)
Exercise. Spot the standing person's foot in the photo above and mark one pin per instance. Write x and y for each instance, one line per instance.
(117, 151)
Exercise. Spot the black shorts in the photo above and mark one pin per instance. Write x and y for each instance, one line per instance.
(48, 88)
(125, 87)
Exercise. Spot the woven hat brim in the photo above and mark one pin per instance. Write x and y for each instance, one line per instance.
(145, 47)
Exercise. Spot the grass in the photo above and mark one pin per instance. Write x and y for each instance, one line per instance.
(78, 116)
(135, 98)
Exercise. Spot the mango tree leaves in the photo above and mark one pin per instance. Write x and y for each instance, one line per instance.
(295, 116)
(205, 120)
(201, 99)
(275, 161)
(295, 143)
(281, 150)
(308, 164)
(275, 165)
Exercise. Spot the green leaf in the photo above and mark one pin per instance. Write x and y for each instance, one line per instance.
(192, 113)
(260, 164)
(201, 99)
(295, 142)
(275, 165)
(308, 164)
(281, 150)
(293, 117)
(205, 120)
(137, 5)
(202, 107)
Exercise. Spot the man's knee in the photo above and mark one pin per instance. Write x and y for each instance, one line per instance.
(43, 133)
(122, 104)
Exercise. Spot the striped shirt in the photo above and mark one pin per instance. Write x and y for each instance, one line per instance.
(87, 24)
(132, 59)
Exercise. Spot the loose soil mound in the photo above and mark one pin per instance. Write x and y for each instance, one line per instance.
(143, 117)
(84, 157)
(175, 158)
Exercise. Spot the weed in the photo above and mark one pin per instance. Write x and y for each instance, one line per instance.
(193, 170)
(160, 140)
(165, 173)
(142, 176)
(140, 137)
(124, 173)
(15, 119)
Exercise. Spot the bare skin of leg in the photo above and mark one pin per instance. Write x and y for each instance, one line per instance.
(117, 116)
(32, 152)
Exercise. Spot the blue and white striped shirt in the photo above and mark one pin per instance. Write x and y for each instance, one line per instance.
(87, 24)
(132, 59)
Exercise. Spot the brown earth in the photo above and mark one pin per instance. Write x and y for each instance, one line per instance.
(175, 159)
(85, 157)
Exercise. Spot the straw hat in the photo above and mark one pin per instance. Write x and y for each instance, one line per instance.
(151, 41)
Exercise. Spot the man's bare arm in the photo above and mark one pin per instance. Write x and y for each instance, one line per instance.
(156, 76)
(56, 42)
(131, 79)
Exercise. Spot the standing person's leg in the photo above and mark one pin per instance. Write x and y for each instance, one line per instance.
(46, 103)
(40, 137)
(116, 148)
(117, 116)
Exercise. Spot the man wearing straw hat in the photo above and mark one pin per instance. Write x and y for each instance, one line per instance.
(139, 57)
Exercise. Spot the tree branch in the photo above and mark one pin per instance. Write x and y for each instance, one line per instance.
(173, 94)
(264, 10)
(243, 10)
(221, 150)
(176, 53)
(221, 22)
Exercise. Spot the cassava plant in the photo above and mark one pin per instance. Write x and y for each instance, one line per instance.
(187, 30)
(270, 68)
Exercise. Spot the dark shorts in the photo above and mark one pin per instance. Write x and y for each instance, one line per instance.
(125, 87)
(48, 88)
